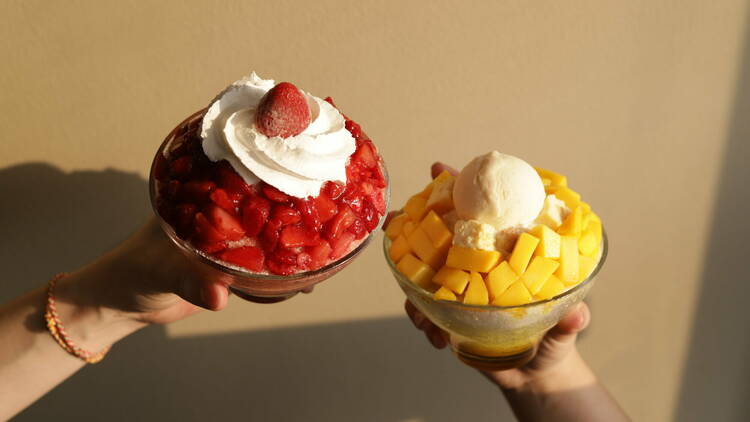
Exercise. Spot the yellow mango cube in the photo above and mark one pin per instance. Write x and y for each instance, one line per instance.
(517, 294)
(573, 223)
(415, 207)
(396, 225)
(444, 294)
(425, 192)
(555, 179)
(476, 293)
(422, 246)
(586, 208)
(586, 265)
(587, 243)
(549, 242)
(416, 271)
(452, 278)
(441, 197)
(552, 287)
(538, 272)
(593, 223)
(399, 248)
(522, 251)
(472, 259)
(408, 228)
(499, 279)
(436, 230)
(571, 198)
(590, 217)
(568, 270)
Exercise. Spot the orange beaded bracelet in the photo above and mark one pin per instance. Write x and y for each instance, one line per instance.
(57, 329)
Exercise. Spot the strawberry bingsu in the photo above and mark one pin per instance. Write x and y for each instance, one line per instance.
(269, 181)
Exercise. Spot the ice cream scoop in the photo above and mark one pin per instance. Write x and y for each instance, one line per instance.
(498, 189)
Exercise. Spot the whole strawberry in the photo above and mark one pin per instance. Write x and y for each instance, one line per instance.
(282, 112)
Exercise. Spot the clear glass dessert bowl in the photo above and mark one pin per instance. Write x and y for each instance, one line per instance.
(495, 337)
(256, 287)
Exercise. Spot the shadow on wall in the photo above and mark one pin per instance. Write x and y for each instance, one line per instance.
(716, 380)
(378, 370)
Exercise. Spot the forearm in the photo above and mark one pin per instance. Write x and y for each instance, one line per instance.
(572, 393)
(31, 361)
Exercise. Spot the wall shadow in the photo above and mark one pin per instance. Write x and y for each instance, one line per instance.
(380, 370)
(716, 380)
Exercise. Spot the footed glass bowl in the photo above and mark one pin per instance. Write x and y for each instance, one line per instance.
(495, 337)
(255, 287)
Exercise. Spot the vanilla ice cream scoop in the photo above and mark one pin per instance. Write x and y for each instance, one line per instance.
(498, 189)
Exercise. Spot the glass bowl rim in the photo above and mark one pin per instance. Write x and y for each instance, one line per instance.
(236, 271)
(429, 296)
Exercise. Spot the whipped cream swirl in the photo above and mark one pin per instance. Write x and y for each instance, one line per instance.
(297, 165)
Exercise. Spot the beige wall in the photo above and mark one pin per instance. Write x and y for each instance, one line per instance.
(637, 102)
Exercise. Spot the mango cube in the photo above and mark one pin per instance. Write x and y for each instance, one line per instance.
(552, 287)
(399, 248)
(396, 226)
(549, 242)
(436, 230)
(453, 279)
(408, 228)
(586, 207)
(499, 279)
(586, 265)
(573, 223)
(555, 179)
(517, 294)
(425, 192)
(472, 259)
(416, 271)
(441, 197)
(568, 271)
(476, 293)
(572, 198)
(422, 246)
(587, 242)
(415, 207)
(444, 294)
(592, 222)
(525, 246)
(538, 272)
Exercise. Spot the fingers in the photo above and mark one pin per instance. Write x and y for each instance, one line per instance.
(439, 167)
(203, 293)
(434, 334)
(571, 324)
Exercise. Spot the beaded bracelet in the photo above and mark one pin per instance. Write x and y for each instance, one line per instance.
(57, 329)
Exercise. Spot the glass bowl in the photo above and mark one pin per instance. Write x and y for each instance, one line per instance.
(256, 287)
(495, 337)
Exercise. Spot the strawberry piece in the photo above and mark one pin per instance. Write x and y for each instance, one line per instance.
(161, 167)
(224, 222)
(296, 236)
(353, 198)
(205, 231)
(286, 256)
(170, 190)
(309, 213)
(370, 216)
(365, 154)
(274, 194)
(304, 260)
(197, 190)
(377, 200)
(333, 190)
(326, 208)
(287, 215)
(279, 268)
(220, 197)
(232, 182)
(184, 216)
(283, 112)
(341, 245)
(354, 128)
(270, 236)
(358, 228)
(340, 223)
(248, 257)
(320, 254)
(211, 247)
(182, 166)
(378, 179)
(329, 100)
(255, 214)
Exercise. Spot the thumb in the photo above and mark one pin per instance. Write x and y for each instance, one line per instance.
(566, 331)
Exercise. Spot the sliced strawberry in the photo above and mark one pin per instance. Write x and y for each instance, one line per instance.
(283, 112)
(171, 189)
(358, 228)
(205, 231)
(161, 167)
(211, 247)
(197, 190)
(342, 245)
(370, 216)
(224, 222)
(365, 154)
(304, 260)
(270, 236)
(232, 182)
(378, 179)
(320, 254)
(333, 189)
(286, 256)
(329, 100)
(286, 214)
(248, 257)
(279, 268)
(354, 128)
(353, 198)
(340, 223)
(220, 197)
(182, 166)
(378, 201)
(296, 236)
(309, 213)
(255, 214)
(274, 194)
(184, 216)
(326, 207)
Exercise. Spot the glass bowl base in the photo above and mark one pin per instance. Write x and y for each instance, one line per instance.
(261, 299)
(496, 363)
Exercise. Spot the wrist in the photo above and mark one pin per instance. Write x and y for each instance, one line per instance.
(570, 373)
